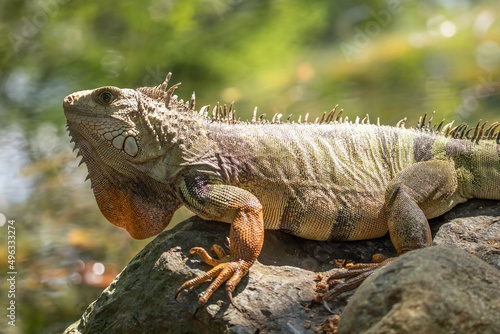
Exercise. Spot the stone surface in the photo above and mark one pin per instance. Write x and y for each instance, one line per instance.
(141, 299)
(474, 227)
(273, 297)
(439, 289)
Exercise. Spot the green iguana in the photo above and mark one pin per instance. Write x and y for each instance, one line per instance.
(149, 153)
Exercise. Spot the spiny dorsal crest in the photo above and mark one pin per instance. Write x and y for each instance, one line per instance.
(461, 131)
(223, 114)
(161, 92)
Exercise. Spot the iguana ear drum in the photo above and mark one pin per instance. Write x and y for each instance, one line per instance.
(130, 146)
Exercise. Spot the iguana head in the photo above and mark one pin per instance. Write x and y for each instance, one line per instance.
(122, 140)
(106, 119)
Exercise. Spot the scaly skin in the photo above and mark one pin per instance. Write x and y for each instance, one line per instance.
(148, 154)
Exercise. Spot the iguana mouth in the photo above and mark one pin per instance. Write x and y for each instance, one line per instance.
(72, 110)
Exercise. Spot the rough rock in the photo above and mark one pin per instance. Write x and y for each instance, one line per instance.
(274, 296)
(141, 299)
(474, 227)
(439, 289)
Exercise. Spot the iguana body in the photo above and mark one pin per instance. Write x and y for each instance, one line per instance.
(148, 154)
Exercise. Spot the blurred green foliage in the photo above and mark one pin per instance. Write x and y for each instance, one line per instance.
(391, 59)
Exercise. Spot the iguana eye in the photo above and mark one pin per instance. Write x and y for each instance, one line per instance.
(105, 97)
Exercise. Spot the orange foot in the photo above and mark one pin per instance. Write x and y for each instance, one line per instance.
(226, 269)
(354, 276)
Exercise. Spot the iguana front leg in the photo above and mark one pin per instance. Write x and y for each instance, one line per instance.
(423, 190)
(231, 205)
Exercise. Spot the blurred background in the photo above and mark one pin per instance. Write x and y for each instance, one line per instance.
(391, 59)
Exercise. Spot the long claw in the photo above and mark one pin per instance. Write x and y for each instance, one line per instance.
(327, 307)
(230, 296)
(178, 293)
(196, 311)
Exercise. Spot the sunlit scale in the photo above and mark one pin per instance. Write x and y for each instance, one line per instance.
(118, 142)
(130, 146)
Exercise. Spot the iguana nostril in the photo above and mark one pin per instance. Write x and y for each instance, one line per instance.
(68, 99)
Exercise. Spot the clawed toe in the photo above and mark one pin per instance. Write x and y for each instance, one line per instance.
(353, 281)
(230, 272)
(353, 275)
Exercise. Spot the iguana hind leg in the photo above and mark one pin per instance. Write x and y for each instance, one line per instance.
(422, 191)
(232, 205)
